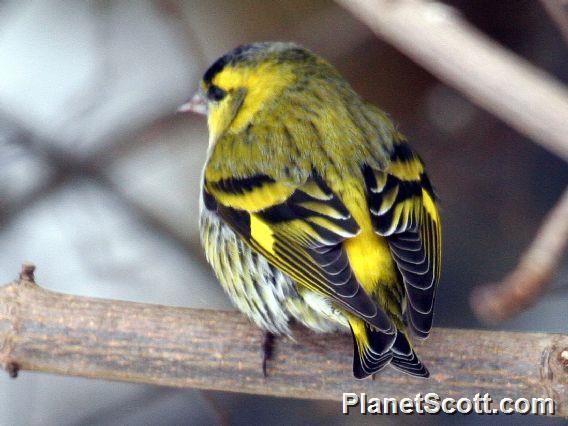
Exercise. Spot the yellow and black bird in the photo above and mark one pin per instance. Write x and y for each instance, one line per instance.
(314, 206)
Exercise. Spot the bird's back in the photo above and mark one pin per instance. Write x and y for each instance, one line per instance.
(321, 187)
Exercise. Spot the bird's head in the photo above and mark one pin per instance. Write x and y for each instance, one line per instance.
(245, 81)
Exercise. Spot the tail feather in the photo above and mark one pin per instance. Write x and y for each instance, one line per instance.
(371, 348)
(405, 359)
(374, 350)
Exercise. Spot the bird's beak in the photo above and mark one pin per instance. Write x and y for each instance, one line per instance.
(197, 105)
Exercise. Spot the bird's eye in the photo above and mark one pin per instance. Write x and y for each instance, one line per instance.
(215, 93)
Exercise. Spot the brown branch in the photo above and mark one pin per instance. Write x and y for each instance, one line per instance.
(558, 12)
(50, 332)
(505, 84)
(521, 288)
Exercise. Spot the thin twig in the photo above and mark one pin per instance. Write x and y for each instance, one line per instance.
(219, 350)
(435, 36)
(521, 288)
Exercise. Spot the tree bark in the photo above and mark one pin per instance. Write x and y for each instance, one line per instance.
(51, 332)
(527, 282)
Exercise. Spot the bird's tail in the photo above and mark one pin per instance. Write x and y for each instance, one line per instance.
(405, 359)
(374, 350)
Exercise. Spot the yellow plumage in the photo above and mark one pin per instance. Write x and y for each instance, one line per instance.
(315, 207)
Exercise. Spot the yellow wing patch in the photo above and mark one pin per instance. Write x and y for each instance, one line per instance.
(406, 169)
(252, 194)
(261, 232)
(405, 164)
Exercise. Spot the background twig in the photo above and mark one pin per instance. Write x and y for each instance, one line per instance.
(521, 288)
(435, 36)
(51, 332)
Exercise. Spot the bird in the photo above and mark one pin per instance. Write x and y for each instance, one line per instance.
(314, 208)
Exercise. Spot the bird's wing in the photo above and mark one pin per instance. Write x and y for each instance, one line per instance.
(299, 229)
(403, 210)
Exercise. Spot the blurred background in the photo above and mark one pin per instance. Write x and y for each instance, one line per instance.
(99, 177)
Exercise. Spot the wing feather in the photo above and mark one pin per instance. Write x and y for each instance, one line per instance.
(403, 209)
(302, 236)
